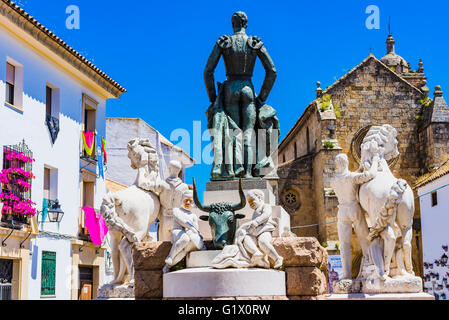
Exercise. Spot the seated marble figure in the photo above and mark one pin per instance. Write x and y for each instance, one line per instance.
(254, 242)
(185, 235)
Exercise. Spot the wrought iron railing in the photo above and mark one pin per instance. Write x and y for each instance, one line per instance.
(12, 187)
(5, 291)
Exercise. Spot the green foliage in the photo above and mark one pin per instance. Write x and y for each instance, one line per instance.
(325, 102)
(426, 101)
(337, 112)
(324, 244)
(337, 245)
(392, 68)
(328, 144)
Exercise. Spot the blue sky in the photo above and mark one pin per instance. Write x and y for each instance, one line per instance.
(157, 50)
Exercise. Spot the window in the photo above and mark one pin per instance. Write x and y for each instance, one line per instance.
(48, 101)
(50, 189)
(434, 199)
(15, 183)
(10, 81)
(87, 200)
(46, 183)
(283, 157)
(48, 279)
(6, 275)
(14, 84)
(51, 100)
(296, 150)
(89, 117)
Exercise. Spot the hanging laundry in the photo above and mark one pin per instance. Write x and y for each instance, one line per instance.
(103, 147)
(99, 159)
(88, 142)
(96, 225)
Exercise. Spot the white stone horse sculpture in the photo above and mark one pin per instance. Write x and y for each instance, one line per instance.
(389, 203)
(130, 212)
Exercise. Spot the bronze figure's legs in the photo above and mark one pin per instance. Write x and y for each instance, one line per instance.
(239, 101)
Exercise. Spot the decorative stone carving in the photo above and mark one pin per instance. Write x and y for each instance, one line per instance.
(389, 202)
(171, 198)
(185, 235)
(254, 243)
(129, 213)
(222, 217)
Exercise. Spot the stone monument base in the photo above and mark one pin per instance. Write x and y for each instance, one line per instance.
(111, 292)
(397, 284)
(209, 282)
(201, 259)
(305, 264)
(380, 296)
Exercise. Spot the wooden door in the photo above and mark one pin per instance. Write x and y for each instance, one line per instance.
(86, 291)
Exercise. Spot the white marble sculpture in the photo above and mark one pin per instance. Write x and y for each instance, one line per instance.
(170, 198)
(129, 213)
(389, 203)
(253, 241)
(346, 185)
(185, 235)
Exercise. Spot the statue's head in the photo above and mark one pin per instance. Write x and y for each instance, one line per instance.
(187, 200)
(221, 217)
(142, 153)
(382, 140)
(239, 20)
(174, 167)
(255, 198)
(341, 162)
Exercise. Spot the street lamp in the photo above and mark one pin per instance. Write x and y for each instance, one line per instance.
(54, 211)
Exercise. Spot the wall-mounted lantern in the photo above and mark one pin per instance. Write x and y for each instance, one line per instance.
(55, 213)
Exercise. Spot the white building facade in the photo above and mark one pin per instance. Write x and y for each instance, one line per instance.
(433, 193)
(43, 80)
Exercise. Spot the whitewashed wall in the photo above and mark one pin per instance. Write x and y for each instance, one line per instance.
(63, 251)
(435, 232)
(64, 154)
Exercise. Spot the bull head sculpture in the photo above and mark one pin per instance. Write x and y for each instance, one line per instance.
(222, 217)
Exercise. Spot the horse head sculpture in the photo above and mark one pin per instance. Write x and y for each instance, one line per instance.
(222, 217)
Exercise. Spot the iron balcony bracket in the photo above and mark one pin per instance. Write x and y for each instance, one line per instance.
(21, 244)
(4, 240)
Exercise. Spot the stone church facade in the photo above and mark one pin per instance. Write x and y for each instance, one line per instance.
(375, 92)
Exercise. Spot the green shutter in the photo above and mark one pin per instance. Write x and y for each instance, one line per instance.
(48, 278)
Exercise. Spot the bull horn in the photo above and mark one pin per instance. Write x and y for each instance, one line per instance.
(197, 202)
(242, 203)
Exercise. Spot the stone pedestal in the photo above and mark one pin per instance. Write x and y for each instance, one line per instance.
(397, 284)
(380, 296)
(305, 264)
(209, 282)
(227, 191)
(111, 292)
